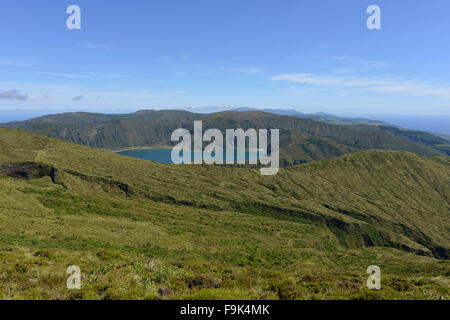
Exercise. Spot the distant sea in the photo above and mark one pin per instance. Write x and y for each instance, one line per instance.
(437, 124)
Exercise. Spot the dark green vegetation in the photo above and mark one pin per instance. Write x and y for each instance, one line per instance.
(301, 140)
(140, 229)
(422, 137)
(319, 116)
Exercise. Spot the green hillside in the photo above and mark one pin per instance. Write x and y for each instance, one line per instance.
(422, 137)
(319, 116)
(140, 229)
(300, 140)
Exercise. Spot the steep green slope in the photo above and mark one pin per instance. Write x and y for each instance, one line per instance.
(142, 229)
(301, 140)
(81, 118)
(421, 137)
(319, 116)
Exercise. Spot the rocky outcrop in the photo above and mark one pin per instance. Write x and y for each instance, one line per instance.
(28, 170)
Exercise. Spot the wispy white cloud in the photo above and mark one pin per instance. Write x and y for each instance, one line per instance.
(9, 63)
(355, 65)
(90, 75)
(185, 56)
(66, 75)
(372, 64)
(414, 89)
(93, 45)
(12, 63)
(382, 84)
(164, 59)
(242, 69)
(312, 79)
(174, 92)
(299, 92)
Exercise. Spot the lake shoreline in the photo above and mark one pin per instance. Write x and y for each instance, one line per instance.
(166, 147)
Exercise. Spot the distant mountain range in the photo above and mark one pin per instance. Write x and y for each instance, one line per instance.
(301, 140)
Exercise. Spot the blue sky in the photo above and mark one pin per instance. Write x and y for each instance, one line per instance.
(309, 55)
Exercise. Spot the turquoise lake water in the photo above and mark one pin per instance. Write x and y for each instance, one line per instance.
(164, 155)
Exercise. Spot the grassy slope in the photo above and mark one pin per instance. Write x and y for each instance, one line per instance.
(309, 232)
